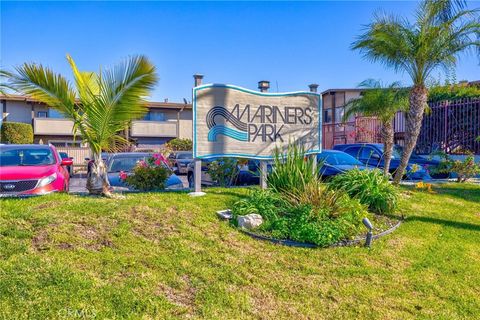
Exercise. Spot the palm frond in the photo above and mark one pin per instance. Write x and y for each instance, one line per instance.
(378, 100)
(45, 86)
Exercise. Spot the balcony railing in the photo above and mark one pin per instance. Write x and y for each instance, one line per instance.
(145, 128)
(52, 126)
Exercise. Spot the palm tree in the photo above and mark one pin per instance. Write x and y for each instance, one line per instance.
(435, 40)
(383, 103)
(100, 105)
(4, 86)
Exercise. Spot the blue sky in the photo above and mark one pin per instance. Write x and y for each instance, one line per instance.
(290, 44)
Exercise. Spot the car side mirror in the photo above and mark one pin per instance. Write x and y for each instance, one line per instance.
(66, 162)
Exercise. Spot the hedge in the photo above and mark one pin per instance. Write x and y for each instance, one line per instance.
(16, 133)
(179, 144)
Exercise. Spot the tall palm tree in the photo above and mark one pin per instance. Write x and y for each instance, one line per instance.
(382, 102)
(100, 105)
(435, 40)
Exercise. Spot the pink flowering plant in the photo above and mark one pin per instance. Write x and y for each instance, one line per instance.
(149, 174)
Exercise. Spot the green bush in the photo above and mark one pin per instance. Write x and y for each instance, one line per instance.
(292, 172)
(322, 226)
(452, 92)
(16, 133)
(371, 187)
(179, 144)
(149, 175)
(223, 171)
(464, 170)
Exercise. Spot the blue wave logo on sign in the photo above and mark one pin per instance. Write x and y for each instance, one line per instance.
(240, 132)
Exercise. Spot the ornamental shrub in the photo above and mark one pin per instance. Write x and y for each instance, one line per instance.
(223, 171)
(371, 187)
(148, 175)
(322, 225)
(292, 172)
(179, 144)
(464, 170)
(16, 133)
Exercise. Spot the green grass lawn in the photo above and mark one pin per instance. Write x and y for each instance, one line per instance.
(165, 256)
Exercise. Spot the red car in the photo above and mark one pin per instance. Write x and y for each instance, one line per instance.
(32, 170)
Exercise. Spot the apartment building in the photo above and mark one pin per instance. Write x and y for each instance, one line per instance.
(163, 122)
(356, 128)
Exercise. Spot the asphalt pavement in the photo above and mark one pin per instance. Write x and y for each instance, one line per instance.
(79, 181)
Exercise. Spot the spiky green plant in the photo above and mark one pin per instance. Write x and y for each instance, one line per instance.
(292, 171)
(371, 187)
(100, 105)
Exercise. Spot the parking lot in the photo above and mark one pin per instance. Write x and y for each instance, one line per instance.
(79, 181)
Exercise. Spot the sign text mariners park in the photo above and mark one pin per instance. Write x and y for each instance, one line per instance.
(237, 122)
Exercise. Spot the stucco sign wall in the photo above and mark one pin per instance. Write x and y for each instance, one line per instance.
(237, 122)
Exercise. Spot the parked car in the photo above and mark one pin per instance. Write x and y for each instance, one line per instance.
(64, 155)
(334, 162)
(179, 161)
(126, 161)
(248, 174)
(32, 170)
(372, 155)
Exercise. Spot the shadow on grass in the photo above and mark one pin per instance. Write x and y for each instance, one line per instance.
(467, 192)
(446, 223)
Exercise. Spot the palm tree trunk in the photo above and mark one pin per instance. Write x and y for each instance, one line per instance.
(387, 138)
(418, 101)
(97, 179)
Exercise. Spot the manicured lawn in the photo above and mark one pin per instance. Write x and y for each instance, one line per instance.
(167, 256)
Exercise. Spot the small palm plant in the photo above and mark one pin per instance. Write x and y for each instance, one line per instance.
(442, 30)
(382, 102)
(100, 105)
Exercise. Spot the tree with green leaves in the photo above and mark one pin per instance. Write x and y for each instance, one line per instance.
(442, 30)
(100, 104)
(382, 102)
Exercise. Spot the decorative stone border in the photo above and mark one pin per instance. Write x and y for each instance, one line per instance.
(291, 243)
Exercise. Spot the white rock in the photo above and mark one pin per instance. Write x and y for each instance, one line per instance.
(225, 214)
(250, 221)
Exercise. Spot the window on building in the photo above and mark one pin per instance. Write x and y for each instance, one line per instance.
(327, 116)
(339, 112)
(155, 116)
(42, 114)
(59, 143)
(52, 113)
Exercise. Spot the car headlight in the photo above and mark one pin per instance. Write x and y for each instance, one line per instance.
(47, 180)
(177, 186)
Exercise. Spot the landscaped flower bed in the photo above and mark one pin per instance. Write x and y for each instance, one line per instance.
(298, 206)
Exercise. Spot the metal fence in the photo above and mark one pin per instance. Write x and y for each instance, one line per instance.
(452, 127)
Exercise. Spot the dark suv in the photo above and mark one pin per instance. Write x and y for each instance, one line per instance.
(372, 155)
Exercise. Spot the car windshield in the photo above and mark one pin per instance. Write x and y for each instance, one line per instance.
(339, 159)
(24, 156)
(184, 156)
(126, 164)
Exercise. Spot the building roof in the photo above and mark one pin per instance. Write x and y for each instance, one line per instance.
(153, 104)
(344, 89)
